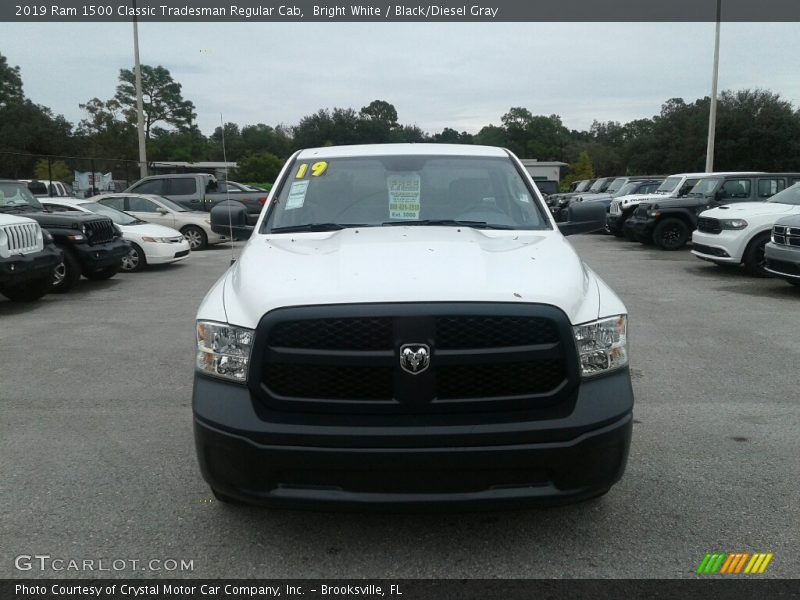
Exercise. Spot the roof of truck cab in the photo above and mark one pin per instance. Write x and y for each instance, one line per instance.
(402, 150)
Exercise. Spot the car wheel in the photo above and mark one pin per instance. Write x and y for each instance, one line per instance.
(134, 260)
(671, 234)
(30, 291)
(66, 274)
(754, 259)
(106, 273)
(197, 238)
(225, 499)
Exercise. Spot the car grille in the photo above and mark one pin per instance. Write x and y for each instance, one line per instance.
(786, 236)
(23, 238)
(480, 357)
(614, 208)
(709, 250)
(708, 225)
(100, 231)
(641, 210)
(784, 267)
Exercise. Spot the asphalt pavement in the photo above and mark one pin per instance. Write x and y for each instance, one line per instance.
(98, 463)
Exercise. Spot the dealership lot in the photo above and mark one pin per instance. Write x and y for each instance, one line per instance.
(98, 461)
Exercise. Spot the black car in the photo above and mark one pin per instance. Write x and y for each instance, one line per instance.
(669, 223)
(92, 245)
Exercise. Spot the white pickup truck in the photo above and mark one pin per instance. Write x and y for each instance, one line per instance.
(408, 326)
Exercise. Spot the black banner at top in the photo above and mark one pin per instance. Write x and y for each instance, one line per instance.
(397, 10)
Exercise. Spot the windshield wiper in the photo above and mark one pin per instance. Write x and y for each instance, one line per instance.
(317, 227)
(450, 223)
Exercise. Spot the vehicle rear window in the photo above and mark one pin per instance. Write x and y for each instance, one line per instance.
(371, 191)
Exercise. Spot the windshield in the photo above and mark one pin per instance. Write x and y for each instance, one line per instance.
(616, 185)
(597, 185)
(790, 195)
(669, 185)
(582, 186)
(409, 190)
(705, 187)
(119, 217)
(627, 189)
(170, 204)
(13, 194)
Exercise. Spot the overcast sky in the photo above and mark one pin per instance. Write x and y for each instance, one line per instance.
(460, 75)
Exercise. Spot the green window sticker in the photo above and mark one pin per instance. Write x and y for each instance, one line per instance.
(404, 196)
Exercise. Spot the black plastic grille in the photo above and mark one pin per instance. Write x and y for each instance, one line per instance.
(479, 331)
(328, 381)
(502, 379)
(782, 266)
(334, 334)
(99, 232)
(786, 236)
(708, 225)
(709, 250)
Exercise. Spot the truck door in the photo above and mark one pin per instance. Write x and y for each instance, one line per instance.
(183, 190)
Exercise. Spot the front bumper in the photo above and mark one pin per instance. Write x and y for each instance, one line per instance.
(293, 461)
(26, 267)
(158, 253)
(725, 247)
(101, 256)
(641, 227)
(783, 261)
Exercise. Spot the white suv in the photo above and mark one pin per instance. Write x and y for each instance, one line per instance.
(738, 233)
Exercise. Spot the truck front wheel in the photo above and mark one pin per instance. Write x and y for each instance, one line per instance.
(67, 273)
(671, 234)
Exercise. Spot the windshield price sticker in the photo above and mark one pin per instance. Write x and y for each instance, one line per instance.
(317, 169)
(404, 196)
(297, 195)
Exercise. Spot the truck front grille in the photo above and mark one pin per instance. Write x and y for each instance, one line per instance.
(100, 231)
(480, 358)
(24, 238)
(786, 236)
(708, 225)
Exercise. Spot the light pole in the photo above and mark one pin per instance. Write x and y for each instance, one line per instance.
(139, 105)
(712, 113)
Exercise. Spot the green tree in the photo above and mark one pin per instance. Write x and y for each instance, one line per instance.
(162, 99)
(57, 171)
(261, 168)
(10, 84)
(105, 132)
(580, 169)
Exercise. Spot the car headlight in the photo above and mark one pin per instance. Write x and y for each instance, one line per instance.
(156, 240)
(602, 345)
(653, 213)
(223, 350)
(732, 223)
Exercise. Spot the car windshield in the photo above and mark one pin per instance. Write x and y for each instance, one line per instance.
(171, 205)
(119, 217)
(616, 185)
(597, 185)
(582, 186)
(371, 191)
(15, 196)
(790, 195)
(705, 187)
(669, 185)
(628, 188)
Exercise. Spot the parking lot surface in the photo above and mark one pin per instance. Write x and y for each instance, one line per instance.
(97, 455)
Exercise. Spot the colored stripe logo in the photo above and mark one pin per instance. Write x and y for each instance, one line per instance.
(734, 563)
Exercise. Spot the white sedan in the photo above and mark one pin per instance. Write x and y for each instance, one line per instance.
(194, 225)
(150, 243)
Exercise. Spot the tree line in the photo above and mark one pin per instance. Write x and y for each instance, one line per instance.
(756, 130)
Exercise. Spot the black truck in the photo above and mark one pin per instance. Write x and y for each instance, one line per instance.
(92, 245)
(669, 223)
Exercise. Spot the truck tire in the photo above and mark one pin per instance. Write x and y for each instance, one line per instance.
(30, 291)
(754, 261)
(102, 274)
(135, 260)
(197, 238)
(66, 274)
(671, 234)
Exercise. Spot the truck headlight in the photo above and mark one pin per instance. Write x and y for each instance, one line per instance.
(733, 223)
(602, 345)
(223, 350)
(653, 213)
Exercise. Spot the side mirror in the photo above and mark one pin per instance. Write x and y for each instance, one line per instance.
(583, 217)
(163, 211)
(229, 218)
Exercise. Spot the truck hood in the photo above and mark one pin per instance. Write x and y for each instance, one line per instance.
(409, 264)
(749, 209)
(64, 220)
(668, 202)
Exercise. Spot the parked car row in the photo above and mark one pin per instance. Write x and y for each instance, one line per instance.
(47, 244)
(746, 218)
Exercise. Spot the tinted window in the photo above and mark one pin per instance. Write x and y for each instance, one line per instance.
(735, 189)
(183, 186)
(770, 187)
(687, 186)
(152, 186)
(117, 202)
(37, 187)
(136, 204)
